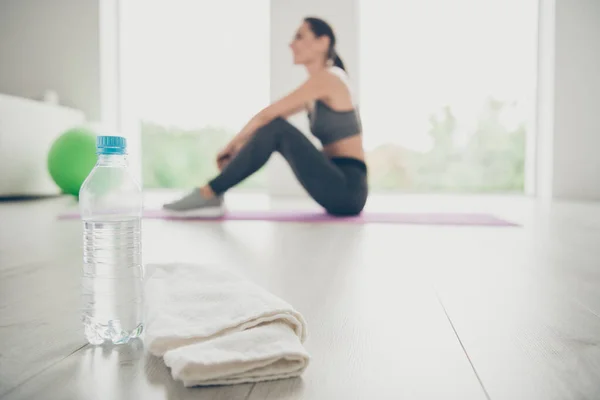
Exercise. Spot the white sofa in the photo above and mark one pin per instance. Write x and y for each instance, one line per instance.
(27, 130)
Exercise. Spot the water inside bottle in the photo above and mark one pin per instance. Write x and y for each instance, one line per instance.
(112, 279)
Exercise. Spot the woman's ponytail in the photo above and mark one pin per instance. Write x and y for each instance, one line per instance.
(322, 28)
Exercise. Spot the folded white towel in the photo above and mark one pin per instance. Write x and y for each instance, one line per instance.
(212, 326)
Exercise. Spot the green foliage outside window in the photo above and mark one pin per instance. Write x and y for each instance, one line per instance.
(491, 160)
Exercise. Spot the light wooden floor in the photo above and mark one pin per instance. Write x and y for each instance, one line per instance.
(394, 312)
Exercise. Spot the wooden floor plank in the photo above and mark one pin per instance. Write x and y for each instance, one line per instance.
(528, 336)
(39, 277)
(378, 330)
(120, 372)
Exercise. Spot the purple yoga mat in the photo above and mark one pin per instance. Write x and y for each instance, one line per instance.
(447, 218)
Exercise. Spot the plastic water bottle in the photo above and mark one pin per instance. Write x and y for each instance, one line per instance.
(111, 203)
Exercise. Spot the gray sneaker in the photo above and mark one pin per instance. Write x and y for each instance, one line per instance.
(194, 204)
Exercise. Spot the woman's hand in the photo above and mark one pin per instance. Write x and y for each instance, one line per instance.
(229, 151)
(224, 156)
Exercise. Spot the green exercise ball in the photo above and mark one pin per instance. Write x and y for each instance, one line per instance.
(71, 158)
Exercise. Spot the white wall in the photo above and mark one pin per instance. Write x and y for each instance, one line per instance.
(52, 45)
(576, 166)
(544, 143)
(286, 16)
(568, 156)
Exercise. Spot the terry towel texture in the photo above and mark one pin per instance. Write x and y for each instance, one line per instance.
(214, 327)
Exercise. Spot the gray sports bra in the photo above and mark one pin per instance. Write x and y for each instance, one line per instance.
(329, 125)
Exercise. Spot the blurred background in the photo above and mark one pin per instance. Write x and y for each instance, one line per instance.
(456, 96)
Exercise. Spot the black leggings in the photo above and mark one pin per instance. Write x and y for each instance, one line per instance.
(338, 184)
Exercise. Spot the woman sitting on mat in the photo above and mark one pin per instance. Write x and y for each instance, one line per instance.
(335, 177)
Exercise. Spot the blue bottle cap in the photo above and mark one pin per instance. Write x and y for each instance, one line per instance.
(111, 145)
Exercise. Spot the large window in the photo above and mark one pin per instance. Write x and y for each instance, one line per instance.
(193, 73)
(447, 93)
(447, 87)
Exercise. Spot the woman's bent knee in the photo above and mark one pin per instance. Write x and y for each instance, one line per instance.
(276, 126)
(272, 131)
